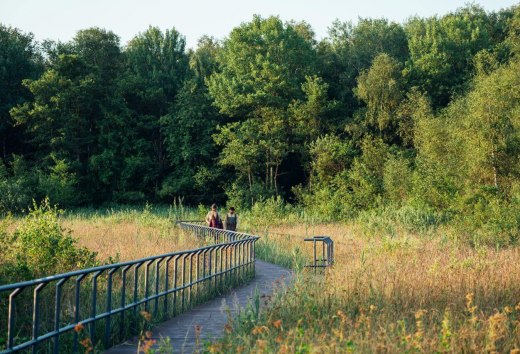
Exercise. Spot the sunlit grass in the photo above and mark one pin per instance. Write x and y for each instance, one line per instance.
(406, 293)
(391, 290)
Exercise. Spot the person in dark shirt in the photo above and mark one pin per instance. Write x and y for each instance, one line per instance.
(231, 220)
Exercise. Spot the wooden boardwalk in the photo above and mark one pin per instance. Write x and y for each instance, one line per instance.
(211, 316)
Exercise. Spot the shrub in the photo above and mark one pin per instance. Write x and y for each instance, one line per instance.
(486, 218)
(17, 187)
(412, 218)
(40, 247)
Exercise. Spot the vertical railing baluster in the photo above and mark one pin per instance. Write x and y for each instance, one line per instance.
(175, 276)
(77, 309)
(36, 314)
(123, 301)
(323, 252)
(166, 282)
(146, 271)
(314, 243)
(236, 254)
(204, 282)
(210, 267)
(109, 307)
(93, 310)
(183, 281)
(136, 288)
(156, 305)
(190, 280)
(57, 310)
(197, 276)
(11, 319)
(252, 257)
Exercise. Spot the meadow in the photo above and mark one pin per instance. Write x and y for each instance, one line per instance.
(406, 293)
(390, 290)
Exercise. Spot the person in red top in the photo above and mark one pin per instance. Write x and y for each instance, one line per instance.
(213, 218)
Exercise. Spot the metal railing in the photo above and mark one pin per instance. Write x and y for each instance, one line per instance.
(114, 294)
(327, 252)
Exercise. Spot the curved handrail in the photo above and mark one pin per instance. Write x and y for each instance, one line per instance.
(230, 254)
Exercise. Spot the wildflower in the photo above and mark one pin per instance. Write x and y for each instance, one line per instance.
(261, 343)
(228, 328)
(79, 327)
(198, 330)
(85, 342)
(215, 348)
(469, 302)
(342, 316)
(146, 315)
(259, 330)
(148, 334)
(147, 345)
(283, 349)
(277, 324)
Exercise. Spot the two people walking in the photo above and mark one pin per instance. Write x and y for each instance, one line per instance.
(214, 220)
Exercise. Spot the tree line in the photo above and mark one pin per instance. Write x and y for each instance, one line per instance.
(422, 113)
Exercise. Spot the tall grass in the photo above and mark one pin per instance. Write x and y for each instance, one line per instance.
(405, 280)
(388, 293)
(116, 235)
(125, 233)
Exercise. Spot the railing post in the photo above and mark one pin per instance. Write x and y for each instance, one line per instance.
(109, 307)
(216, 267)
(36, 314)
(11, 319)
(77, 309)
(57, 308)
(94, 305)
(166, 280)
(157, 271)
(123, 300)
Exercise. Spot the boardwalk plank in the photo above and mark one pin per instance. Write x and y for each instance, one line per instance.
(211, 316)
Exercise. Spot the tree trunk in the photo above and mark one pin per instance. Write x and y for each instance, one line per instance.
(276, 178)
(493, 163)
(250, 178)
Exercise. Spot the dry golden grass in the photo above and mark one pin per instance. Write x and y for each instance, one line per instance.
(418, 270)
(129, 239)
(126, 239)
(403, 294)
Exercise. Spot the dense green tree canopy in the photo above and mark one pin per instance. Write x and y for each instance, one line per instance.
(19, 60)
(422, 115)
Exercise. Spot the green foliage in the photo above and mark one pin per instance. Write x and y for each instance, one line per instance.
(389, 221)
(350, 49)
(367, 173)
(397, 180)
(330, 155)
(17, 186)
(441, 50)
(380, 89)
(41, 247)
(327, 202)
(487, 219)
(263, 65)
(378, 115)
(19, 60)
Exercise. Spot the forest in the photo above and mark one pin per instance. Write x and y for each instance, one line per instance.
(419, 119)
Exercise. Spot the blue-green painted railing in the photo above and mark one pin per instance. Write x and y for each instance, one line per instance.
(76, 297)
